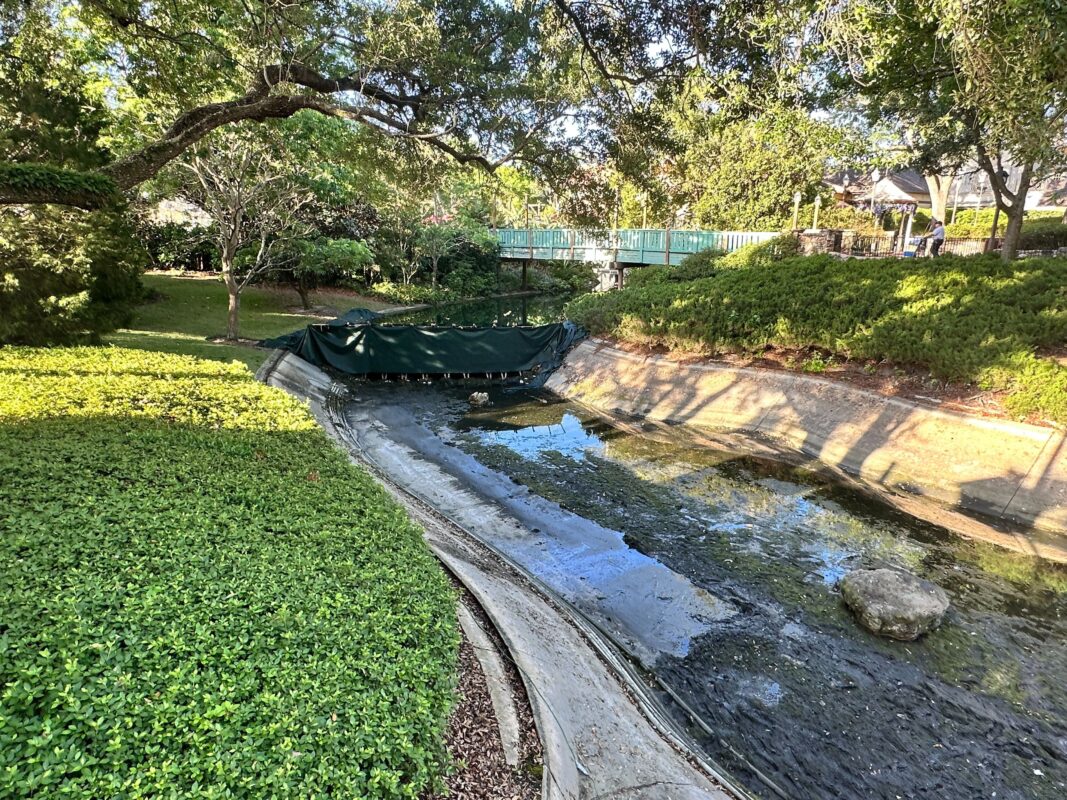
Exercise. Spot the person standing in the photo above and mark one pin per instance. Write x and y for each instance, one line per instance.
(937, 238)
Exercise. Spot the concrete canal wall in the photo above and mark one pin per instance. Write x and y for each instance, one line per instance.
(1003, 469)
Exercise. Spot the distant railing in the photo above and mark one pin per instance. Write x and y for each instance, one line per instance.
(635, 247)
(630, 246)
(873, 246)
(887, 244)
(967, 247)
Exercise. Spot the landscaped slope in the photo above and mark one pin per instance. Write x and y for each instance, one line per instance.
(200, 596)
(964, 319)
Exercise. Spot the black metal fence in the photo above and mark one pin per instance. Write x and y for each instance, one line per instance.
(892, 244)
(870, 246)
(967, 247)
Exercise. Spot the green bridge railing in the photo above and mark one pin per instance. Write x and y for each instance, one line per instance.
(631, 246)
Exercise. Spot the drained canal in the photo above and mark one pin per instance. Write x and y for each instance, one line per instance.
(762, 664)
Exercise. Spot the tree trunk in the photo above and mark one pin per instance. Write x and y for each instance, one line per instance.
(940, 186)
(1009, 248)
(433, 278)
(1016, 212)
(302, 290)
(233, 289)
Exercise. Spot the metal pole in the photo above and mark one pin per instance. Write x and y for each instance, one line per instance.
(529, 237)
(815, 216)
(615, 233)
(796, 210)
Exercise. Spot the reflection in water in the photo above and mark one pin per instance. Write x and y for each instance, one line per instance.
(794, 692)
(501, 312)
(567, 438)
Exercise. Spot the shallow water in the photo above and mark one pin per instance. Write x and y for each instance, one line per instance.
(789, 695)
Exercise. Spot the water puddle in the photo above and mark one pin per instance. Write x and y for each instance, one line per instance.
(792, 697)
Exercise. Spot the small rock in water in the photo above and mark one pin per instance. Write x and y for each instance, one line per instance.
(479, 399)
(894, 603)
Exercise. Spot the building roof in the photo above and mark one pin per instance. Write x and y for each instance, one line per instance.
(899, 186)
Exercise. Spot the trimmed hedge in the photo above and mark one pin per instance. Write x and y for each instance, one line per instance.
(1042, 230)
(708, 263)
(201, 597)
(964, 319)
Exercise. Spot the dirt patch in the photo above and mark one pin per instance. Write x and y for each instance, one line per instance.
(240, 342)
(1057, 354)
(315, 311)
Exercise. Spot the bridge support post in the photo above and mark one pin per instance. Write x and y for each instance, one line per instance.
(525, 266)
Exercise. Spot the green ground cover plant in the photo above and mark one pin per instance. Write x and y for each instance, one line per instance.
(965, 319)
(201, 597)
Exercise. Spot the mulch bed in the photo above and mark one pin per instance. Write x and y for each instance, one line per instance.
(473, 738)
(474, 742)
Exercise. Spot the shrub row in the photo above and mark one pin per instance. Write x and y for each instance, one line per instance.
(964, 319)
(1042, 230)
(201, 597)
(707, 263)
(408, 293)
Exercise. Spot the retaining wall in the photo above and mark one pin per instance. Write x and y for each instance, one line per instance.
(1003, 469)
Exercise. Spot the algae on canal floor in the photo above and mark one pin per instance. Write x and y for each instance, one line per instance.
(796, 694)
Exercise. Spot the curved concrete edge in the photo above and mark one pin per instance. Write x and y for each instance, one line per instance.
(1002, 469)
(603, 734)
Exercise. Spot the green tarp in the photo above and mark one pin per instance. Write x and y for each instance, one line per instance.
(374, 349)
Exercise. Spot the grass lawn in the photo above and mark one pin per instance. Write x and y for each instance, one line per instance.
(199, 595)
(194, 309)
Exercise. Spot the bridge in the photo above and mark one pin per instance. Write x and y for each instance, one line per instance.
(621, 247)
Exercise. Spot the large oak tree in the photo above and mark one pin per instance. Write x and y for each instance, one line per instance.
(535, 82)
(482, 81)
(966, 80)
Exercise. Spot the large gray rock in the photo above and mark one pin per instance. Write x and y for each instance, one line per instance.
(894, 603)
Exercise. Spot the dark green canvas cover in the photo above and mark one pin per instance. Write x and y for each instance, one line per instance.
(372, 349)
